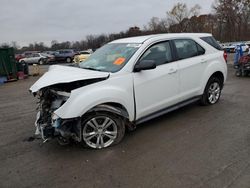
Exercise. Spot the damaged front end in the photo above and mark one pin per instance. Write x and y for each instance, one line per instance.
(53, 89)
(48, 124)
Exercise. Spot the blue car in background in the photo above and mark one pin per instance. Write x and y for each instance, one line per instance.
(230, 48)
(66, 55)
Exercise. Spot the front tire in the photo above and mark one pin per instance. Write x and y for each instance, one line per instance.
(212, 92)
(68, 60)
(63, 141)
(41, 61)
(102, 129)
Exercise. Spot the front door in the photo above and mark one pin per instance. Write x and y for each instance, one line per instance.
(158, 88)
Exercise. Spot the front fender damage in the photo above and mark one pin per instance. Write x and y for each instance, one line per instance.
(118, 110)
(48, 124)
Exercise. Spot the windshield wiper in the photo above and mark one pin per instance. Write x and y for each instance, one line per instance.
(74, 65)
(90, 68)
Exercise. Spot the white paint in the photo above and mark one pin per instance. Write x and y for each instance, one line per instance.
(152, 90)
(65, 74)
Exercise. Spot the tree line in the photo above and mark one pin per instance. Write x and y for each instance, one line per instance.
(229, 21)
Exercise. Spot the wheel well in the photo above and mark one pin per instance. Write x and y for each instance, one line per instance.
(218, 75)
(117, 109)
(118, 106)
(112, 107)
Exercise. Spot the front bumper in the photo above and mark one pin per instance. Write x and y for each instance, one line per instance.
(66, 128)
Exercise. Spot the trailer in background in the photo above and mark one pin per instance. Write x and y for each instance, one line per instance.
(8, 68)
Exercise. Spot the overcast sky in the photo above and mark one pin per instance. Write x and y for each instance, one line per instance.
(26, 21)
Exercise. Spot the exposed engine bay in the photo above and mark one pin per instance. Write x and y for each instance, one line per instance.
(48, 124)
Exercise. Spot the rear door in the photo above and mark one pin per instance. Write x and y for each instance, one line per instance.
(36, 57)
(28, 58)
(192, 63)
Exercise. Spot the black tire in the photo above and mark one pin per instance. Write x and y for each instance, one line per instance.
(63, 141)
(119, 123)
(205, 101)
(238, 73)
(244, 73)
(41, 62)
(68, 60)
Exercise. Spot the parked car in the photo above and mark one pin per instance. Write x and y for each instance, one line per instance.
(65, 55)
(83, 55)
(18, 57)
(50, 52)
(245, 48)
(37, 58)
(230, 48)
(125, 83)
(51, 57)
(29, 53)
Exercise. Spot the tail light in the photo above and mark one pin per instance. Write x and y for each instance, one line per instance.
(225, 56)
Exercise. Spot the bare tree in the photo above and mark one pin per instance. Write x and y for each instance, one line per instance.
(229, 21)
(178, 16)
(226, 12)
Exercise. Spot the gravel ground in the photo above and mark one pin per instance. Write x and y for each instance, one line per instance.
(192, 147)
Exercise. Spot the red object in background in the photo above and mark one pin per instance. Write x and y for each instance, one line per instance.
(244, 59)
(225, 56)
(18, 57)
(20, 75)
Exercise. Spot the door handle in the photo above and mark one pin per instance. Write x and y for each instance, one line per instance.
(172, 71)
(203, 60)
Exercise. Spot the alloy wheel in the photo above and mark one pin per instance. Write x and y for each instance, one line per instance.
(214, 92)
(99, 132)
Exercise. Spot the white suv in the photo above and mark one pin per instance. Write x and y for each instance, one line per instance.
(127, 82)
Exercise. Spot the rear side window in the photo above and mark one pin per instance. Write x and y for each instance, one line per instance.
(212, 42)
(187, 48)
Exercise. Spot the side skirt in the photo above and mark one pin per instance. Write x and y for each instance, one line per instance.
(167, 110)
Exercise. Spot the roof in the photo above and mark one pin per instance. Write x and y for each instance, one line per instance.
(142, 39)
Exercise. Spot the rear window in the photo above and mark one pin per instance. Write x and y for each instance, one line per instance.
(212, 42)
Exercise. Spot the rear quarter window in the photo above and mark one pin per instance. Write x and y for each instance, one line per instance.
(187, 48)
(212, 42)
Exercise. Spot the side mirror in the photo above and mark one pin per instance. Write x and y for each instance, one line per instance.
(145, 65)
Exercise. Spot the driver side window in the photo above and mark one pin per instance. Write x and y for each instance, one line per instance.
(160, 53)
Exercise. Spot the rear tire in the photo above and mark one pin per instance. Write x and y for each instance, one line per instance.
(102, 129)
(212, 92)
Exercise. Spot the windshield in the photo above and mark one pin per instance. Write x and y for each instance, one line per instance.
(111, 57)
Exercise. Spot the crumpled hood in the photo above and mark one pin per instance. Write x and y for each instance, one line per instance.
(65, 74)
